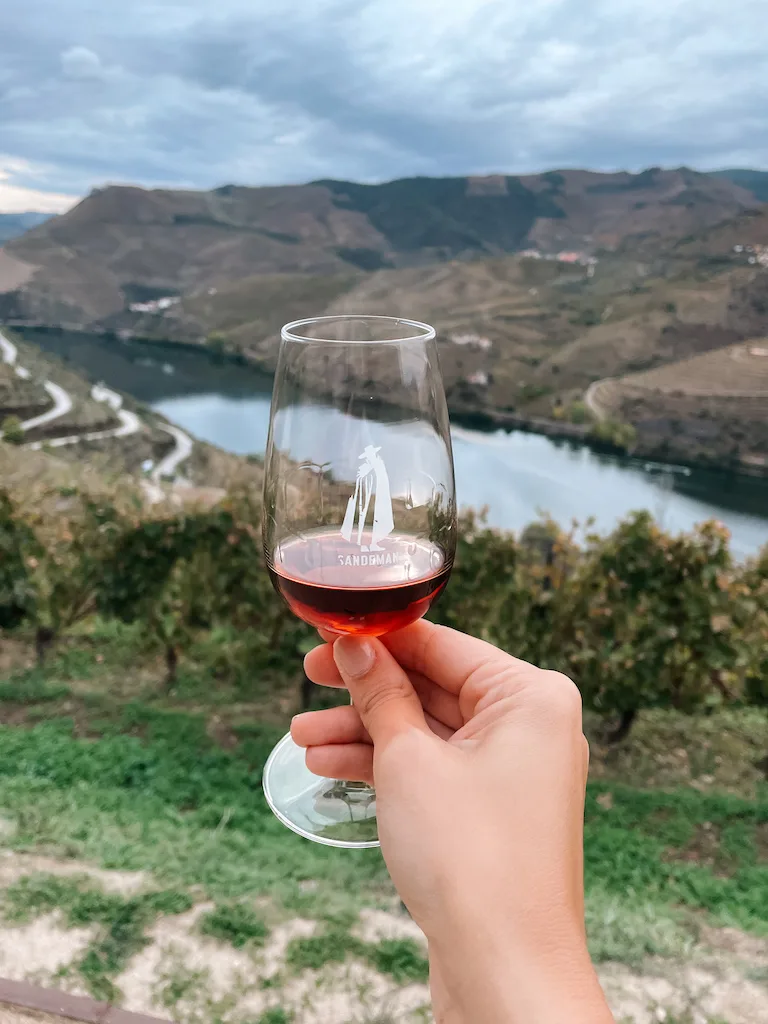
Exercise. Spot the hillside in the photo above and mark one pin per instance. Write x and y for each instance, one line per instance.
(519, 338)
(755, 182)
(125, 245)
(74, 423)
(709, 406)
(515, 334)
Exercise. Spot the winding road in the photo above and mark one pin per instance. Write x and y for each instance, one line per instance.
(62, 403)
(591, 399)
(129, 421)
(177, 455)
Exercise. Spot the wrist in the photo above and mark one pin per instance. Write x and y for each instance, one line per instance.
(493, 974)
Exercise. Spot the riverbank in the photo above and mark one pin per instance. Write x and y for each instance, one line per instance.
(514, 472)
(471, 415)
(582, 434)
(89, 424)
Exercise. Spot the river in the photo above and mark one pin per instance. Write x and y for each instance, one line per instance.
(514, 474)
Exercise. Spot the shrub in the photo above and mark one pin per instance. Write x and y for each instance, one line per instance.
(578, 413)
(614, 434)
(185, 573)
(652, 622)
(19, 550)
(640, 618)
(66, 568)
(750, 594)
(11, 430)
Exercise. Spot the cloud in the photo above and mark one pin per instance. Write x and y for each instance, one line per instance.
(80, 62)
(18, 199)
(188, 94)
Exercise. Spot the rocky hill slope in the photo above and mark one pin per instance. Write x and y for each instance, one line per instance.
(124, 245)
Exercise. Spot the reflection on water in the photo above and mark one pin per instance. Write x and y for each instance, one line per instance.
(515, 475)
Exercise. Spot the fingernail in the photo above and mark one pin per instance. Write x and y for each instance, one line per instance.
(354, 655)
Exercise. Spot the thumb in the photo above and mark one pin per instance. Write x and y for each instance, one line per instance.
(381, 691)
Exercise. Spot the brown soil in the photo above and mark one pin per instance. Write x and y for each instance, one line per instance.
(14, 272)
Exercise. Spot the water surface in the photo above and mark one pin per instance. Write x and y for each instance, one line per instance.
(514, 474)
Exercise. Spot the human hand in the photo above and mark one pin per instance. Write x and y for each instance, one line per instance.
(480, 765)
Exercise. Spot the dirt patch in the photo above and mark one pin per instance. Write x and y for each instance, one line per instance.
(703, 848)
(15, 656)
(14, 866)
(220, 733)
(375, 925)
(750, 949)
(272, 957)
(192, 978)
(174, 945)
(179, 959)
(36, 951)
(352, 992)
(22, 714)
(710, 986)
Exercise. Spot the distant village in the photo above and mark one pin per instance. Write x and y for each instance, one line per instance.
(581, 259)
(756, 254)
(155, 305)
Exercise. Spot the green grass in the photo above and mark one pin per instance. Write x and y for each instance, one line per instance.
(629, 928)
(235, 923)
(121, 922)
(648, 844)
(276, 1015)
(29, 688)
(157, 794)
(402, 959)
(315, 951)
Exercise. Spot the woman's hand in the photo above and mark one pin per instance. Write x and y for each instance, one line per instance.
(480, 765)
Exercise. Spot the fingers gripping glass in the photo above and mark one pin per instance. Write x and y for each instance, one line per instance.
(359, 515)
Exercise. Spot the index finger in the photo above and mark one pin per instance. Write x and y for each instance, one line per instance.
(447, 656)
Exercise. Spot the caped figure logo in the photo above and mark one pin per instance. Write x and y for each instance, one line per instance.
(372, 479)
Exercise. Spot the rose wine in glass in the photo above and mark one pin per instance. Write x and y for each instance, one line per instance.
(359, 515)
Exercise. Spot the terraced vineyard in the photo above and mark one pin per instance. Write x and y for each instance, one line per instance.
(739, 371)
(714, 401)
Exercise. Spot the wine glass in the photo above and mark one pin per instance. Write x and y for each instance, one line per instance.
(359, 515)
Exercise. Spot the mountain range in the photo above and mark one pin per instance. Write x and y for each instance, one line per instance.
(14, 224)
(543, 288)
(126, 245)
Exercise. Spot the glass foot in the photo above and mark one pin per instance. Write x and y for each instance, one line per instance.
(324, 810)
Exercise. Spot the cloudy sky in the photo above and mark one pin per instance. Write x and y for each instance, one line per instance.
(197, 94)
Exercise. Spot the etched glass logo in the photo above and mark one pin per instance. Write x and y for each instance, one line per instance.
(372, 482)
